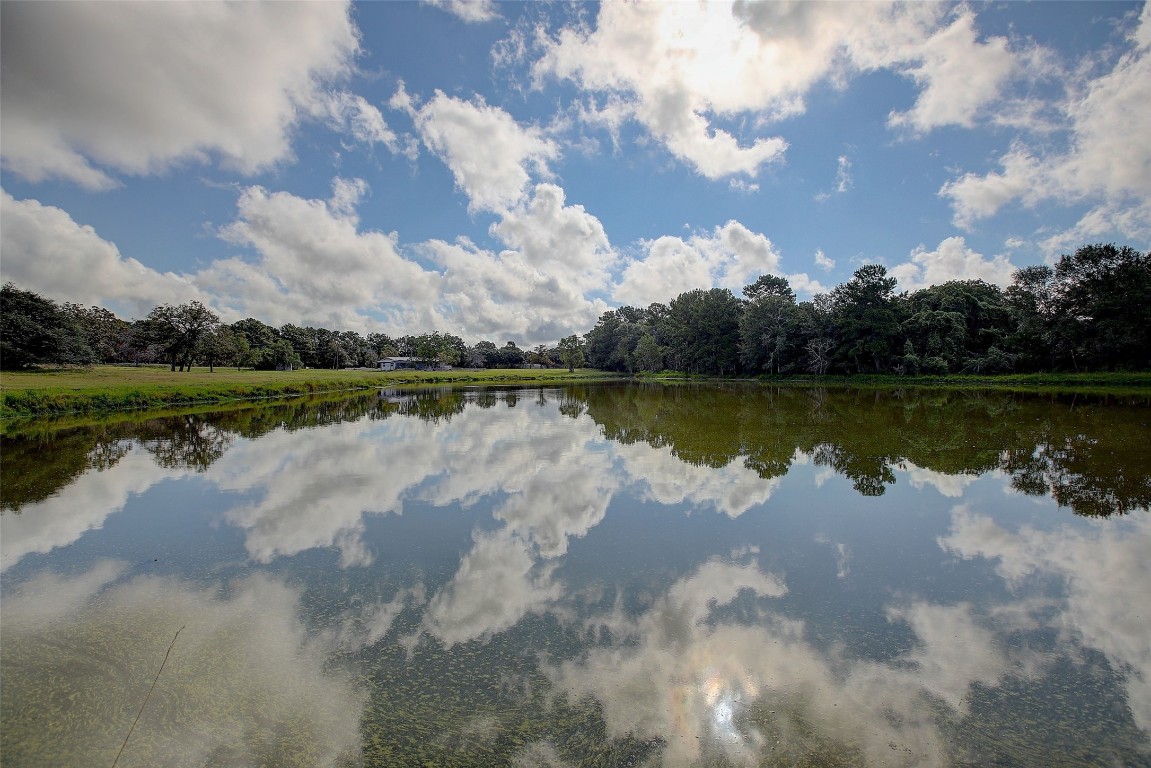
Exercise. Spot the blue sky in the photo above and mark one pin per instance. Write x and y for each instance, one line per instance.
(509, 171)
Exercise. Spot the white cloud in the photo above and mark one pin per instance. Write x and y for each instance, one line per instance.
(537, 290)
(674, 67)
(952, 260)
(958, 75)
(823, 261)
(843, 180)
(314, 265)
(669, 267)
(46, 251)
(471, 11)
(685, 70)
(1128, 218)
(363, 121)
(1100, 161)
(562, 241)
(731, 256)
(311, 264)
(92, 88)
(488, 152)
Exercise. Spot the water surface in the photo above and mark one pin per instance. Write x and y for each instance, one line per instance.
(599, 575)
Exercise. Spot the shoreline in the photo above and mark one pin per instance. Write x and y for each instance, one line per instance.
(107, 389)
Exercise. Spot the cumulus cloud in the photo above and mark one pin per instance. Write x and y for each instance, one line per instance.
(309, 262)
(90, 90)
(48, 252)
(823, 261)
(471, 11)
(559, 240)
(731, 256)
(685, 70)
(355, 116)
(488, 152)
(662, 64)
(538, 289)
(958, 76)
(952, 260)
(314, 265)
(1100, 159)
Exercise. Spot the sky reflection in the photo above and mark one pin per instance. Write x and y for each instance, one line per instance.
(475, 561)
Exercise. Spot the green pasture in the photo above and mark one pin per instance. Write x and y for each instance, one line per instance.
(112, 387)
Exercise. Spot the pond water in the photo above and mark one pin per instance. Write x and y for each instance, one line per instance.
(602, 575)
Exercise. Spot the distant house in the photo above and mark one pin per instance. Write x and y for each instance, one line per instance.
(396, 363)
(409, 364)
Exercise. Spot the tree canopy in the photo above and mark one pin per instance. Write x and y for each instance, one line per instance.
(1091, 311)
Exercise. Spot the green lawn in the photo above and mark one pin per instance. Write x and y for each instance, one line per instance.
(110, 387)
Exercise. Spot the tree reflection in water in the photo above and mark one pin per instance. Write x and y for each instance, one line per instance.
(594, 574)
(1088, 454)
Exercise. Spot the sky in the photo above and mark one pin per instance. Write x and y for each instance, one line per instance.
(510, 171)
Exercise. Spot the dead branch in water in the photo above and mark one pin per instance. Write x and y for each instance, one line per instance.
(156, 680)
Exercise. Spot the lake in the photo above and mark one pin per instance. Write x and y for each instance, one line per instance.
(609, 575)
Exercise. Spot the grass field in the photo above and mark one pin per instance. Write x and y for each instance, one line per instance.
(112, 387)
(105, 388)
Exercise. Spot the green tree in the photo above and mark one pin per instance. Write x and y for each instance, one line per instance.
(1104, 298)
(282, 356)
(603, 341)
(222, 345)
(866, 318)
(35, 330)
(509, 356)
(487, 353)
(383, 345)
(964, 323)
(107, 336)
(1033, 301)
(178, 330)
(702, 328)
(648, 354)
(309, 344)
(571, 350)
(768, 325)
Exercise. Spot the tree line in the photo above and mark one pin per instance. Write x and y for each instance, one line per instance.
(1090, 312)
(35, 330)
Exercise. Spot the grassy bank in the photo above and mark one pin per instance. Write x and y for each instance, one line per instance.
(108, 388)
(102, 389)
(1087, 383)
